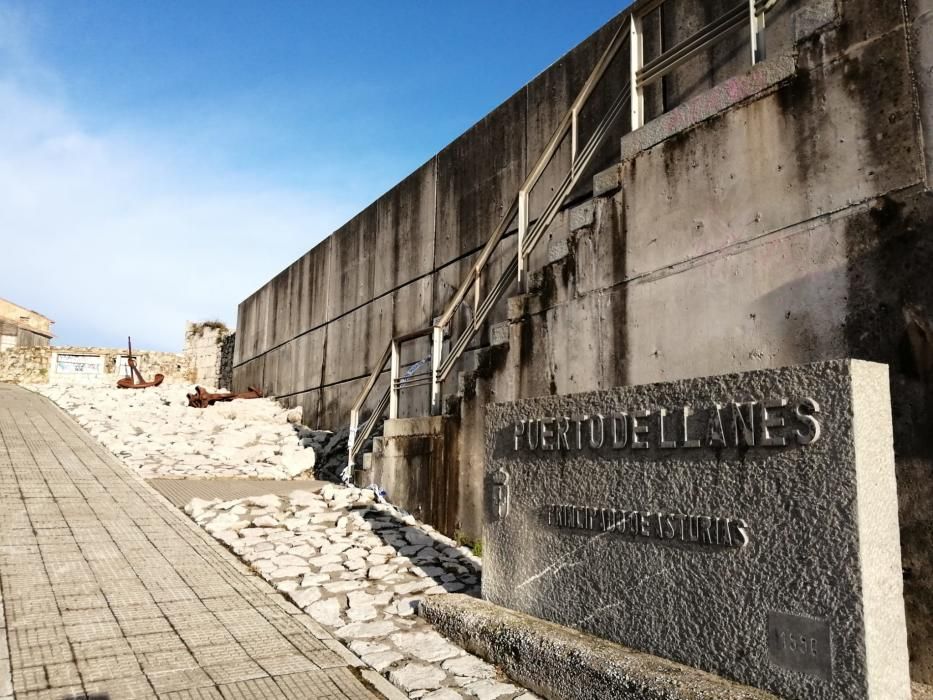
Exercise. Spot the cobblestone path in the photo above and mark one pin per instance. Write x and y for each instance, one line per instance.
(109, 591)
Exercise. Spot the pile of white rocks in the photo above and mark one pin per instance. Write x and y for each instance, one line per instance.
(360, 568)
(157, 434)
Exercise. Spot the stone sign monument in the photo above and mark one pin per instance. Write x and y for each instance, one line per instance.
(743, 524)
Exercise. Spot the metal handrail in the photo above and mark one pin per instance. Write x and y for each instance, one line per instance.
(359, 435)
(528, 234)
(641, 75)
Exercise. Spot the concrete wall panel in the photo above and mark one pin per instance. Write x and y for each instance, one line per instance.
(356, 341)
(478, 176)
(353, 257)
(412, 307)
(247, 375)
(311, 295)
(741, 312)
(308, 361)
(774, 163)
(405, 231)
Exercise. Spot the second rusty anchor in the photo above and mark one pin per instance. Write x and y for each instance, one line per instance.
(202, 398)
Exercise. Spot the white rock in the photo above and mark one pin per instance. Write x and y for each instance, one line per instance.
(289, 560)
(377, 573)
(226, 521)
(415, 676)
(469, 666)
(327, 612)
(443, 694)
(381, 660)
(490, 690)
(361, 613)
(289, 572)
(426, 646)
(304, 551)
(303, 597)
(304, 498)
(325, 559)
(342, 586)
(362, 647)
(267, 501)
(330, 491)
(199, 505)
(295, 523)
(314, 580)
(413, 586)
(325, 518)
(407, 606)
(296, 463)
(366, 630)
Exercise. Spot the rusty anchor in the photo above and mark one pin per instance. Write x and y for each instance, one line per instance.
(202, 398)
(131, 383)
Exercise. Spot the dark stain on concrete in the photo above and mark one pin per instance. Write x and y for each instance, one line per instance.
(613, 229)
(890, 304)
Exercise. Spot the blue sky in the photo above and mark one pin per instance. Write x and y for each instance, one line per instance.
(161, 160)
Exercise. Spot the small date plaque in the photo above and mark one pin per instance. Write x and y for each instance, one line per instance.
(800, 644)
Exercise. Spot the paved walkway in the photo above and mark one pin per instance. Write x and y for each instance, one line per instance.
(181, 491)
(109, 591)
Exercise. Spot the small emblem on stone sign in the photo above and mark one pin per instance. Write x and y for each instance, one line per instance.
(800, 644)
(500, 493)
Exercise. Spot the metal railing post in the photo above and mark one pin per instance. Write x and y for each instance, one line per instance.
(757, 26)
(437, 349)
(394, 367)
(637, 45)
(351, 438)
(477, 293)
(522, 234)
(574, 136)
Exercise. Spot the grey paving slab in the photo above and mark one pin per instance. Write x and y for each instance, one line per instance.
(180, 491)
(106, 588)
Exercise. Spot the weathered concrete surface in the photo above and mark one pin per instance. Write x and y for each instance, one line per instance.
(789, 227)
(822, 539)
(780, 232)
(560, 663)
(411, 464)
(416, 236)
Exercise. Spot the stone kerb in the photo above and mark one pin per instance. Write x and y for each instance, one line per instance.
(752, 534)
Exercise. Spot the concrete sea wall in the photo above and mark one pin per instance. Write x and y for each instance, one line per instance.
(770, 217)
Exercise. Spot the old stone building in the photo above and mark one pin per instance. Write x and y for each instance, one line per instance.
(21, 327)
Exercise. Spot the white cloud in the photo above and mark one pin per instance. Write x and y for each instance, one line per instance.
(114, 233)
